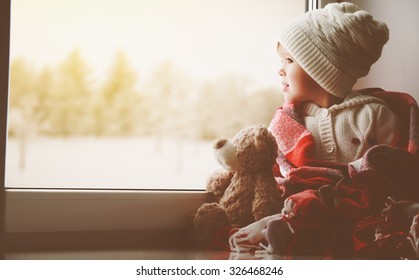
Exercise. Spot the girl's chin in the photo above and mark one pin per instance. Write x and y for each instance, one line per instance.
(288, 98)
(292, 100)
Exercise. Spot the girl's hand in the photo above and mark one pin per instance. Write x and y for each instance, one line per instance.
(248, 238)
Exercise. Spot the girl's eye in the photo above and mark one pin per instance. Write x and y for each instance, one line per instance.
(287, 61)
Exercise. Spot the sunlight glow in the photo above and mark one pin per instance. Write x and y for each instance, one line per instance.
(131, 93)
(205, 38)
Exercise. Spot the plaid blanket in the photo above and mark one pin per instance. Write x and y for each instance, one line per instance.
(350, 196)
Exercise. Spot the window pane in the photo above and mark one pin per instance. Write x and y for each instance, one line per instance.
(130, 93)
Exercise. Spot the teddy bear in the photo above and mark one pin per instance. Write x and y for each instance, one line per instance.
(243, 191)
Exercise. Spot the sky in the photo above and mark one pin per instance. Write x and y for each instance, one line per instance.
(204, 38)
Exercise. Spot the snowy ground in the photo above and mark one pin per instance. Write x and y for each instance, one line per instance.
(123, 163)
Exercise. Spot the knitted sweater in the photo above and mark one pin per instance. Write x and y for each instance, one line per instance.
(343, 132)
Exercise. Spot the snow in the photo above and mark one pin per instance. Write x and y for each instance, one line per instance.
(109, 163)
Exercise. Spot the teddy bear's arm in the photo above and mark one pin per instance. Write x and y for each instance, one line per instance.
(267, 200)
(218, 182)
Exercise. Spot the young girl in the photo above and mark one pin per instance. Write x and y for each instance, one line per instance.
(323, 53)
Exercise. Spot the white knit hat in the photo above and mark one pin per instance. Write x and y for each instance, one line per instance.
(336, 45)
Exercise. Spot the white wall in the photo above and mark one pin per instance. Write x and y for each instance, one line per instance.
(398, 67)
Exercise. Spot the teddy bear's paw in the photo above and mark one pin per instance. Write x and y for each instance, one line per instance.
(212, 226)
(218, 182)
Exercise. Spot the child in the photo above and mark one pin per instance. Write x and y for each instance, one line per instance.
(323, 53)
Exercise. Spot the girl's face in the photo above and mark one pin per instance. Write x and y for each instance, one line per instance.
(297, 85)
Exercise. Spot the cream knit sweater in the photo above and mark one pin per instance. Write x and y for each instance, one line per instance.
(343, 132)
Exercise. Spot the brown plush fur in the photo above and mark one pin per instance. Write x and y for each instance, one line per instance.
(246, 191)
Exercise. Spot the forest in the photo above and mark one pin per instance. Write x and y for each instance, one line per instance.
(64, 100)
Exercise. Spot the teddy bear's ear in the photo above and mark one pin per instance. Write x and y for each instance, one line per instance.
(261, 135)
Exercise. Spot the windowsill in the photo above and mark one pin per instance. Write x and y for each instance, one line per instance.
(174, 240)
(53, 210)
(138, 254)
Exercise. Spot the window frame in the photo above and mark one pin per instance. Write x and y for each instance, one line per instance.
(65, 210)
(4, 86)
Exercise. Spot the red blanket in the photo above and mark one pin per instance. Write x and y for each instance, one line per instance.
(350, 197)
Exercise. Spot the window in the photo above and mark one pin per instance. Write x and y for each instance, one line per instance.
(124, 95)
(114, 94)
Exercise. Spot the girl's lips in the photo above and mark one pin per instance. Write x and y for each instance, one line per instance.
(285, 86)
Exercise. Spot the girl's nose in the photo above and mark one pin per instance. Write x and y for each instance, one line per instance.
(281, 72)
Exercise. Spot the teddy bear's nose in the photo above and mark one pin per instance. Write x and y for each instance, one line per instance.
(218, 144)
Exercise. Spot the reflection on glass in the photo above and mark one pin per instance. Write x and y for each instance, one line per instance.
(131, 94)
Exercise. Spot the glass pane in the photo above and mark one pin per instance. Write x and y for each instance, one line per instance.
(130, 93)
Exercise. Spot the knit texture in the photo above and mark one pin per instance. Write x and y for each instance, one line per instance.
(330, 200)
(339, 134)
(345, 131)
(336, 45)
